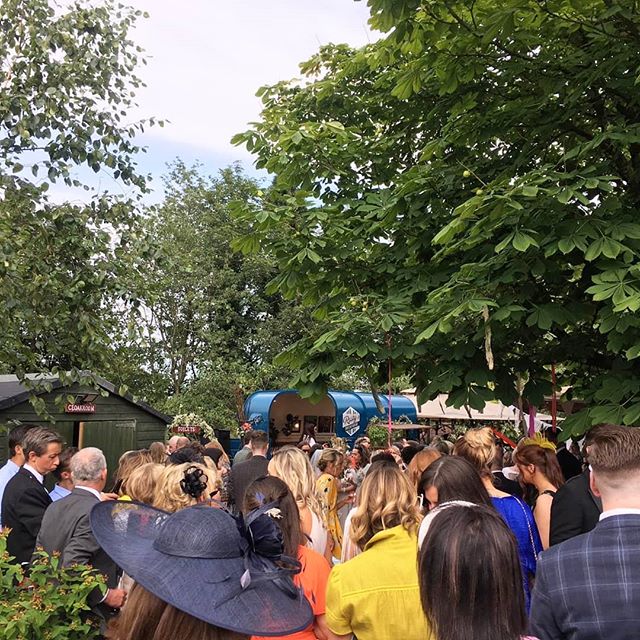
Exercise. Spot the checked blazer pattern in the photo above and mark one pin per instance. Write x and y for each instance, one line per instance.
(588, 588)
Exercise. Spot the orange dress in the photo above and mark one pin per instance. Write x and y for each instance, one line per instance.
(313, 579)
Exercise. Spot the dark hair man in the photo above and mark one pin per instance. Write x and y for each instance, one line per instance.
(244, 473)
(62, 474)
(16, 457)
(25, 498)
(587, 587)
(66, 529)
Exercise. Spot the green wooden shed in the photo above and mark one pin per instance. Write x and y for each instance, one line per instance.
(96, 418)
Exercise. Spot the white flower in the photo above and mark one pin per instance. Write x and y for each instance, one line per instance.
(275, 513)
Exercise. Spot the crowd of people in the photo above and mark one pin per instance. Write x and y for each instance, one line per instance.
(450, 541)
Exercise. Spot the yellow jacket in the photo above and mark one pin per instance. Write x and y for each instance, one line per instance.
(376, 595)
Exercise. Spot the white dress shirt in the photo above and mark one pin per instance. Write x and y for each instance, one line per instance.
(6, 473)
(38, 475)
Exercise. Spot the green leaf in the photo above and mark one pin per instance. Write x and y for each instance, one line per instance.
(427, 333)
(522, 241)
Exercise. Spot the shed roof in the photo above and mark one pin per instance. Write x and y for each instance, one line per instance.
(14, 392)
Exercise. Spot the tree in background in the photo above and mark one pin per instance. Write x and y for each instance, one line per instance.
(460, 199)
(207, 332)
(67, 78)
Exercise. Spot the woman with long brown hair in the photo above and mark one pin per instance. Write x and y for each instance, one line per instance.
(315, 568)
(375, 595)
(538, 466)
(470, 576)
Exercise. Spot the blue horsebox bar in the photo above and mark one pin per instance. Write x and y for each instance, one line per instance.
(345, 414)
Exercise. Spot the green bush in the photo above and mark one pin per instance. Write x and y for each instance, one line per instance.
(49, 604)
(377, 433)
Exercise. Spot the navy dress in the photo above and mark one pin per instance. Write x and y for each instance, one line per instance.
(519, 517)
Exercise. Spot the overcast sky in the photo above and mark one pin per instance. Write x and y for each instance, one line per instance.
(207, 58)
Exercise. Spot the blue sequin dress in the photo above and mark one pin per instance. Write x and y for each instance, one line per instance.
(520, 520)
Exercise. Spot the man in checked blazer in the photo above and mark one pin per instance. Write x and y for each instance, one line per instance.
(588, 588)
(25, 499)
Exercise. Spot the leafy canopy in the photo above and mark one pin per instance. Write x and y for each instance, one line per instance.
(67, 78)
(461, 197)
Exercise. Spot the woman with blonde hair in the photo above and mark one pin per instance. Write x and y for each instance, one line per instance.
(420, 462)
(292, 466)
(376, 594)
(143, 481)
(538, 466)
(479, 448)
(184, 485)
(327, 487)
(129, 461)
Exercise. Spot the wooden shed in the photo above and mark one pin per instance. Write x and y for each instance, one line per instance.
(111, 422)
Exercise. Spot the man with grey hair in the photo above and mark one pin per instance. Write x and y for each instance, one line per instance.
(66, 529)
(25, 499)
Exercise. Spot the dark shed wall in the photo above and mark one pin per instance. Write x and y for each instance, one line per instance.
(149, 428)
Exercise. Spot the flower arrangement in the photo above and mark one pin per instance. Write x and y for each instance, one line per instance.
(190, 424)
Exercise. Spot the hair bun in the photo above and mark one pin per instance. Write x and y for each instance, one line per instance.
(193, 483)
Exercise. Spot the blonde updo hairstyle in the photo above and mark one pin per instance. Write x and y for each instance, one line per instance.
(329, 456)
(169, 494)
(479, 448)
(386, 499)
(292, 466)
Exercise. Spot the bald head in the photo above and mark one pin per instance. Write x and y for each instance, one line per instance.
(183, 441)
(89, 468)
(172, 445)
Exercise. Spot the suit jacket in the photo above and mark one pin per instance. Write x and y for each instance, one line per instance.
(588, 588)
(243, 474)
(574, 510)
(23, 505)
(66, 529)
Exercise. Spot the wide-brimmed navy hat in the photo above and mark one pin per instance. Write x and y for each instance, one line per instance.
(203, 562)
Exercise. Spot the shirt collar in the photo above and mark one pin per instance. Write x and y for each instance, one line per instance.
(39, 476)
(622, 511)
(63, 491)
(95, 492)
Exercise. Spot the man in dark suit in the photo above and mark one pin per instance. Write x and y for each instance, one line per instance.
(575, 509)
(25, 499)
(588, 588)
(66, 529)
(244, 473)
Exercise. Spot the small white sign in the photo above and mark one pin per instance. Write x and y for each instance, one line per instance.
(351, 421)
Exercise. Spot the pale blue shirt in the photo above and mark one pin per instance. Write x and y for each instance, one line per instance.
(6, 473)
(58, 492)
